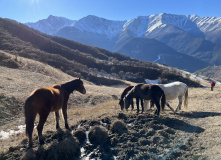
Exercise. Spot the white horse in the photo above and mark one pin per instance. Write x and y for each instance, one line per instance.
(173, 91)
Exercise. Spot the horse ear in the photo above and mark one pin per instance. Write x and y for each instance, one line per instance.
(79, 78)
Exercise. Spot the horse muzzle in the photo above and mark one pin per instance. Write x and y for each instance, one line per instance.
(84, 91)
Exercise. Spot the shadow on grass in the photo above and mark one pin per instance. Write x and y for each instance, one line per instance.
(180, 125)
(199, 114)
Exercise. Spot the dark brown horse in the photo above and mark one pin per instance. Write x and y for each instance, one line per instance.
(124, 93)
(42, 101)
(147, 92)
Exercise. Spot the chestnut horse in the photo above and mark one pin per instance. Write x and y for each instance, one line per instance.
(124, 93)
(147, 92)
(42, 101)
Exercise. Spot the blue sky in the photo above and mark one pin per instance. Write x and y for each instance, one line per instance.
(34, 10)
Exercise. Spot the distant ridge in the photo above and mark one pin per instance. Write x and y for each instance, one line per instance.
(94, 64)
(187, 34)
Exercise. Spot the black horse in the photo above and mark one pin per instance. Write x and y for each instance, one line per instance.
(124, 93)
(147, 92)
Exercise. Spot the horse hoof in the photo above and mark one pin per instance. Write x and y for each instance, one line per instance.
(68, 128)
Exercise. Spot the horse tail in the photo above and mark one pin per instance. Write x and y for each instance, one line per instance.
(186, 99)
(29, 116)
(163, 100)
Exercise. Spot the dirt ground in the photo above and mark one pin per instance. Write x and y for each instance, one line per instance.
(204, 112)
(193, 133)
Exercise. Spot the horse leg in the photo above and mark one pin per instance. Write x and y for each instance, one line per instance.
(57, 119)
(137, 101)
(168, 105)
(179, 103)
(141, 101)
(64, 111)
(151, 104)
(132, 105)
(29, 129)
(157, 103)
(41, 123)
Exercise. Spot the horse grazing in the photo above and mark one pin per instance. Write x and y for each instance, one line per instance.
(147, 92)
(124, 93)
(42, 101)
(175, 90)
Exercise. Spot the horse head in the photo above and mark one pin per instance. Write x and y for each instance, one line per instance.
(80, 87)
(127, 101)
(76, 84)
(121, 103)
(129, 98)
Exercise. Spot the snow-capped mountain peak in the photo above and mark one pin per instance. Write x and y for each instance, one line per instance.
(142, 26)
(51, 25)
(94, 24)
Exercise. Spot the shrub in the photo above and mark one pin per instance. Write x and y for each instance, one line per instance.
(80, 135)
(97, 135)
(118, 127)
(68, 148)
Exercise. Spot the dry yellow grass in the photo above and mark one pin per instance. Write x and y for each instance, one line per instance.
(204, 105)
(18, 83)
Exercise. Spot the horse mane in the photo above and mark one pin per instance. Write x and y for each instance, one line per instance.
(57, 86)
(126, 90)
(71, 85)
(130, 94)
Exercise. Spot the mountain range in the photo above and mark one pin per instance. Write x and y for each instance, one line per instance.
(94, 64)
(163, 38)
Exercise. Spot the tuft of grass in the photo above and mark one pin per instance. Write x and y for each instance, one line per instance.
(118, 126)
(98, 135)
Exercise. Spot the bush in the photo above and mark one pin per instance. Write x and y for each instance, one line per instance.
(68, 148)
(80, 135)
(118, 127)
(98, 135)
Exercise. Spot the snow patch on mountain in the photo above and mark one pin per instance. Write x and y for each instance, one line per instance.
(51, 25)
(98, 25)
(142, 26)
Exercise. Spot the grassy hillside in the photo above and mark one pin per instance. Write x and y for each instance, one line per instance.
(18, 82)
(213, 72)
(93, 64)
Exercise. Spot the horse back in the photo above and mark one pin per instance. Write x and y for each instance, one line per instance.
(143, 91)
(174, 90)
(51, 99)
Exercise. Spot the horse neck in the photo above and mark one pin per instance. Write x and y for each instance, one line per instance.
(70, 86)
(130, 95)
(126, 91)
